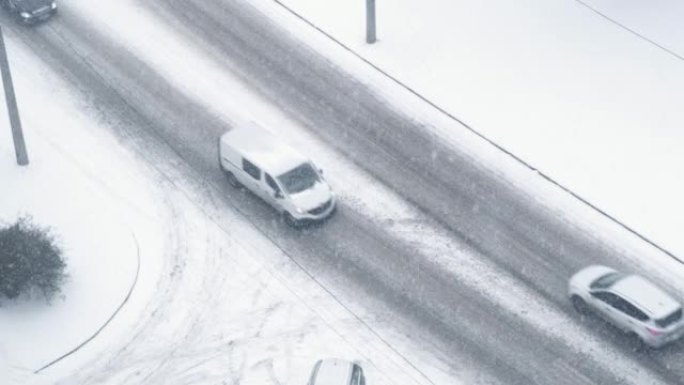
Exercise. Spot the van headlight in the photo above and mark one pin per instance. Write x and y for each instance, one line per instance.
(25, 15)
(53, 5)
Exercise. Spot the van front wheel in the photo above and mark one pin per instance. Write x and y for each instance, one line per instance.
(290, 220)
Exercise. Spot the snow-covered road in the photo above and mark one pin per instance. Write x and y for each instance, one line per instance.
(402, 278)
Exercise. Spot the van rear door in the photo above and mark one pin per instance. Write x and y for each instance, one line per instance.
(252, 176)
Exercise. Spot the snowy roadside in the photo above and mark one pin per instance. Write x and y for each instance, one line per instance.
(581, 100)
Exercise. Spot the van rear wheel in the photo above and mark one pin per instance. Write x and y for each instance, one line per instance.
(233, 180)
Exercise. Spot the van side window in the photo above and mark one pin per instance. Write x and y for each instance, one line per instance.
(271, 183)
(251, 169)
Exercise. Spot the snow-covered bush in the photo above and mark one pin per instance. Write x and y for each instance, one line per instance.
(31, 262)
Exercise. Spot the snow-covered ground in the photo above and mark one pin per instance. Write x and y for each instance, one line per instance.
(658, 22)
(582, 99)
(99, 208)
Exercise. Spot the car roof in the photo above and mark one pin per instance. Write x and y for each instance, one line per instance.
(334, 371)
(646, 296)
(264, 149)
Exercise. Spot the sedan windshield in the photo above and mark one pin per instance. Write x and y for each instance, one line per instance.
(299, 179)
(606, 281)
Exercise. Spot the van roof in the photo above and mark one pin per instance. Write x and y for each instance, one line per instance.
(263, 149)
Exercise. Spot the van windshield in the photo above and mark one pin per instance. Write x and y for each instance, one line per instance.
(298, 179)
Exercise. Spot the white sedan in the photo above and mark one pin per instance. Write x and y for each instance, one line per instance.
(629, 302)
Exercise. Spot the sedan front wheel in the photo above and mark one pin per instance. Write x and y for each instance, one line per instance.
(579, 304)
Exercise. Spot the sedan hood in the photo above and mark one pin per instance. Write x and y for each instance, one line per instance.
(584, 278)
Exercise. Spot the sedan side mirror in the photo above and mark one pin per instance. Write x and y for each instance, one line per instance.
(278, 194)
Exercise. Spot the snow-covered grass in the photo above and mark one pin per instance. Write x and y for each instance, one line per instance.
(659, 22)
(98, 209)
(582, 100)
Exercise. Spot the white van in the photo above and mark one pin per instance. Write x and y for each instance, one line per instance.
(253, 157)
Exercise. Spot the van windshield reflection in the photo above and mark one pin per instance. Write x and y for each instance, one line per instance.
(301, 178)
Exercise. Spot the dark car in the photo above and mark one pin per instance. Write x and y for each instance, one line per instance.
(30, 11)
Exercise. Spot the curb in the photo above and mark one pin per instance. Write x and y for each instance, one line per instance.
(111, 317)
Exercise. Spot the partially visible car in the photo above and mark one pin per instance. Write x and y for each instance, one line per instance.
(630, 302)
(30, 11)
(335, 371)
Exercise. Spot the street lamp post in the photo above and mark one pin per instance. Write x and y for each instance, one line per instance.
(370, 21)
(10, 98)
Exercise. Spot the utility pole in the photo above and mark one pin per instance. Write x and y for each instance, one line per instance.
(10, 98)
(370, 21)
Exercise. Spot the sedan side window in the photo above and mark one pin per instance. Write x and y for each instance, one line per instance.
(609, 298)
(631, 310)
(251, 169)
(621, 305)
